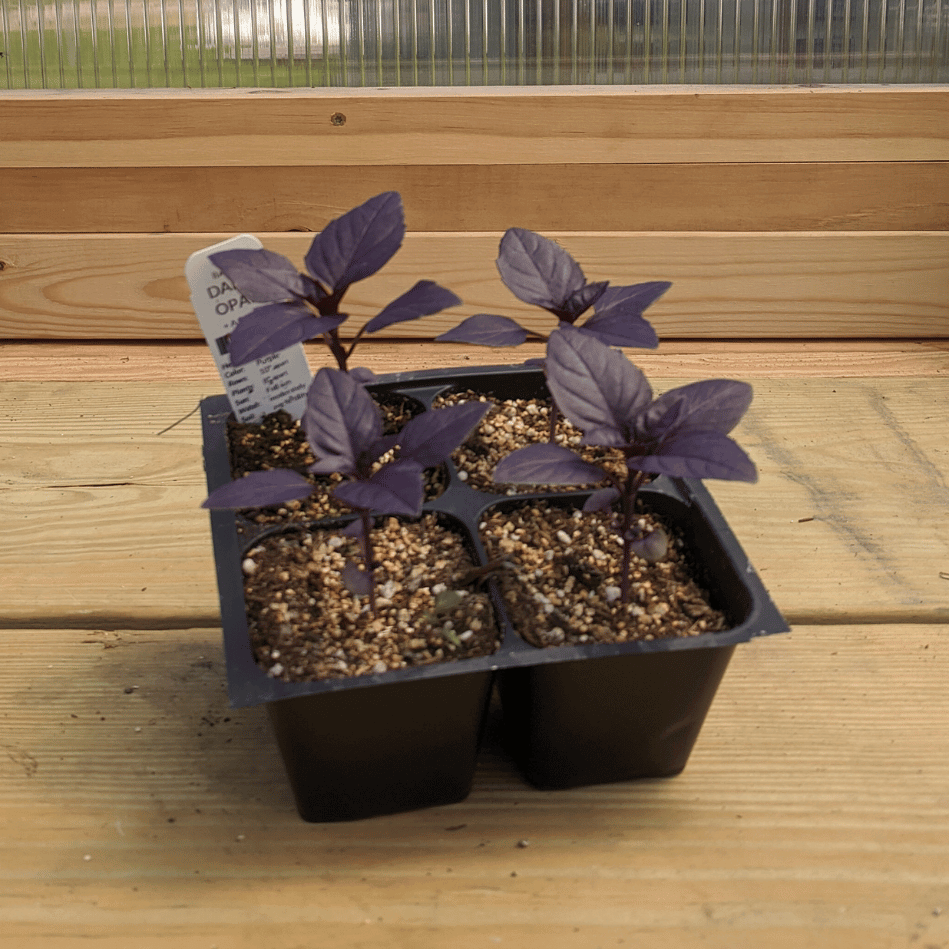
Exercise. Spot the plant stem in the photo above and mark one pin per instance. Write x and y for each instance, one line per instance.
(634, 481)
(336, 348)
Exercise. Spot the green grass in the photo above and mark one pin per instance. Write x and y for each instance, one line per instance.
(143, 59)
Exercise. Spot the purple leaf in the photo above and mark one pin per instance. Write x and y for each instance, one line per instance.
(716, 404)
(262, 275)
(621, 330)
(483, 329)
(605, 437)
(631, 300)
(546, 464)
(359, 243)
(260, 489)
(594, 386)
(272, 328)
(358, 582)
(580, 301)
(352, 529)
(651, 548)
(618, 318)
(698, 454)
(538, 271)
(600, 500)
(341, 421)
(431, 437)
(424, 299)
(363, 375)
(395, 488)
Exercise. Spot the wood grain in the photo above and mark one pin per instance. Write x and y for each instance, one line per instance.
(811, 284)
(814, 195)
(572, 124)
(144, 360)
(136, 808)
(103, 522)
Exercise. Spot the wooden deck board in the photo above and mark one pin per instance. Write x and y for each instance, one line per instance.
(745, 285)
(103, 504)
(469, 125)
(811, 813)
(814, 195)
(146, 360)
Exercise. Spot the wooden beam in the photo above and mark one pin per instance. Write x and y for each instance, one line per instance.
(571, 124)
(772, 196)
(840, 284)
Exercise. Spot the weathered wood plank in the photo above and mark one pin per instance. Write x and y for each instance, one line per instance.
(90, 360)
(846, 524)
(816, 195)
(573, 124)
(811, 813)
(801, 284)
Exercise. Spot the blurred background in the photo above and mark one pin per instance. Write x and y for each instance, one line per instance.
(87, 44)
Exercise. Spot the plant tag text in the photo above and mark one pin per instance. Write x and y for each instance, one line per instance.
(277, 381)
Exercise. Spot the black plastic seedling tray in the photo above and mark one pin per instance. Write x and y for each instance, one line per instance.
(573, 715)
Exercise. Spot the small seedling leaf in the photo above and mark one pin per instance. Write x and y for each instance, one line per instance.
(537, 270)
(358, 582)
(340, 421)
(485, 329)
(262, 275)
(396, 488)
(424, 299)
(600, 500)
(260, 489)
(359, 243)
(594, 386)
(652, 547)
(698, 454)
(715, 404)
(546, 463)
(430, 438)
(272, 328)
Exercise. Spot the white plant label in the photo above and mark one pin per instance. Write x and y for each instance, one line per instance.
(278, 381)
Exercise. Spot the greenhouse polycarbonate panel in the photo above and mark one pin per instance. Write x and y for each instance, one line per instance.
(335, 43)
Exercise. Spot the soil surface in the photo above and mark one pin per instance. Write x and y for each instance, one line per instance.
(513, 424)
(561, 580)
(278, 441)
(305, 624)
(559, 569)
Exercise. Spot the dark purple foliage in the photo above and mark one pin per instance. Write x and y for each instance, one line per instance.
(264, 276)
(344, 428)
(341, 423)
(682, 433)
(358, 244)
(540, 272)
(304, 306)
(424, 299)
(276, 327)
(260, 489)
(483, 329)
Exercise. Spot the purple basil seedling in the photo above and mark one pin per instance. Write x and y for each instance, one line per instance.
(540, 272)
(344, 429)
(303, 306)
(682, 433)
